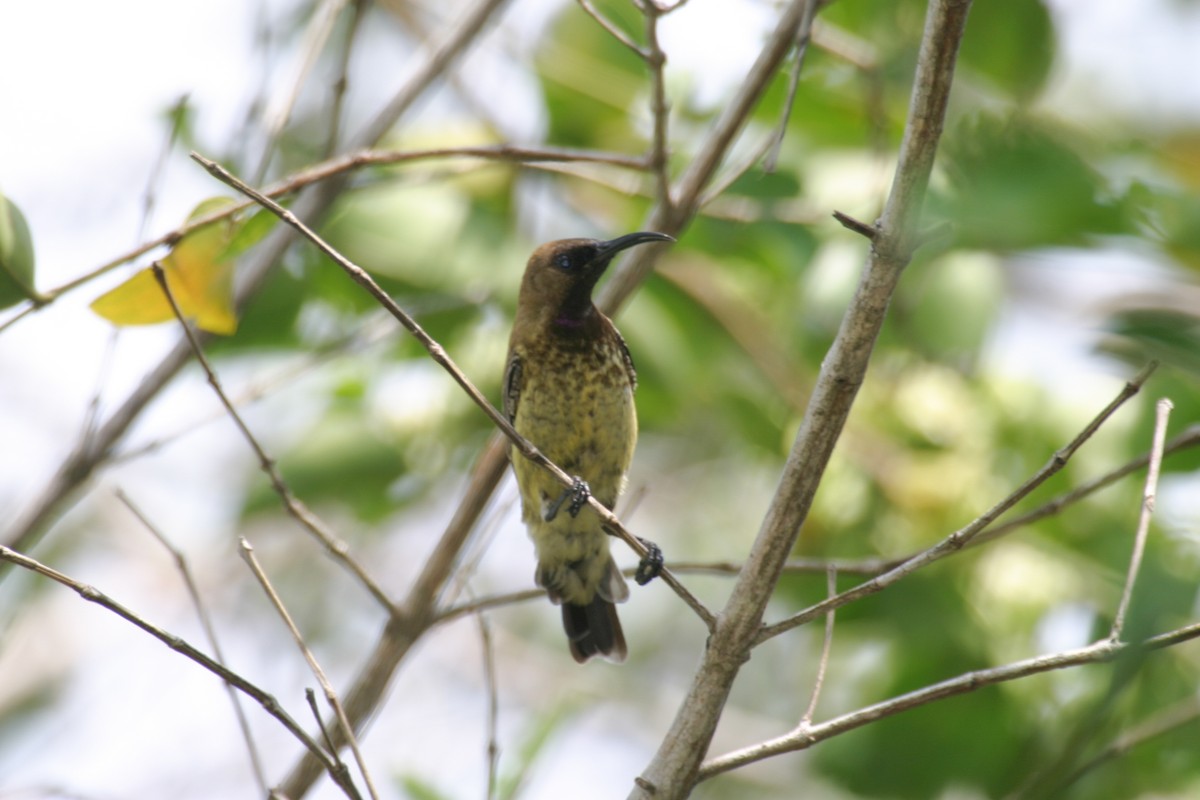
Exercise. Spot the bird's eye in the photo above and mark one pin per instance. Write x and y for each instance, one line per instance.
(573, 258)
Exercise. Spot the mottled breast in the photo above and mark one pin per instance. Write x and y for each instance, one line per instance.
(576, 406)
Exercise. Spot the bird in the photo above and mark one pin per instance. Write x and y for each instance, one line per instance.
(568, 388)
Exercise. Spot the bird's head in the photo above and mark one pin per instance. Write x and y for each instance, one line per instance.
(560, 275)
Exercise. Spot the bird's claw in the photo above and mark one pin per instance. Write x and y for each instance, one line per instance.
(651, 564)
(579, 492)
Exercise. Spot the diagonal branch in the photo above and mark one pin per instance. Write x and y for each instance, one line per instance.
(439, 355)
(95, 450)
(964, 536)
(210, 633)
(333, 168)
(1163, 411)
(402, 631)
(1166, 721)
(674, 769)
(269, 703)
(804, 737)
(672, 214)
(300, 512)
(318, 672)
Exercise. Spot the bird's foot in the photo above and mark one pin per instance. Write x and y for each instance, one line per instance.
(651, 564)
(578, 495)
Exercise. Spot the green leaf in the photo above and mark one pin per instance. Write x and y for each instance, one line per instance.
(1172, 337)
(590, 80)
(1014, 186)
(531, 748)
(249, 232)
(954, 303)
(402, 231)
(344, 460)
(16, 256)
(1012, 44)
(420, 789)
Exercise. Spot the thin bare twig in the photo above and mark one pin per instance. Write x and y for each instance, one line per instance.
(962, 537)
(493, 702)
(342, 82)
(91, 416)
(479, 604)
(336, 167)
(803, 36)
(310, 697)
(320, 27)
(804, 737)
(850, 47)
(210, 633)
(469, 563)
(177, 114)
(714, 194)
(505, 153)
(337, 548)
(796, 566)
(656, 61)
(331, 696)
(1162, 414)
(1189, 438)
(618, 34)
(1169, 719)
(872, 566)
(747, 325)
(687, 198)
(179, 645)
(868, 230)
(368, 334)
(826, 647)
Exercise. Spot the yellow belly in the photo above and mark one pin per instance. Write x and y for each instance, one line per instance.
(584, 421)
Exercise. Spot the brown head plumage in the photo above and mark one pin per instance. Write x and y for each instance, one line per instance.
(561, 275)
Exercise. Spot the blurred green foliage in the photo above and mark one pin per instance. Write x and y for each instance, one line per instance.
(729, 337)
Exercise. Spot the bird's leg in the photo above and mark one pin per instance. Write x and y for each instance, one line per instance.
(579, 492)
(651, 564)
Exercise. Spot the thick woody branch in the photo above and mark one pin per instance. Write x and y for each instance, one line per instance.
(674, 770)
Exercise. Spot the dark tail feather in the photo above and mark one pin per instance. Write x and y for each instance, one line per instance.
(594, 630)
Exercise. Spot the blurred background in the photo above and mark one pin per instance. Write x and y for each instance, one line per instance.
(1068, 175)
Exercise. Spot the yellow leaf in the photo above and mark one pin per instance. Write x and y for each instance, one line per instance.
(198, 272)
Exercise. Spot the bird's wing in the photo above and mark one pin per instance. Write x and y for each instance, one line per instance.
(629, 368)
(512, 387)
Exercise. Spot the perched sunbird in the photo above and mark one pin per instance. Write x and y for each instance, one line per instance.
(568, 389)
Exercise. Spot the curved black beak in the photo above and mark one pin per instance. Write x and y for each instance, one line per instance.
(606, 250)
